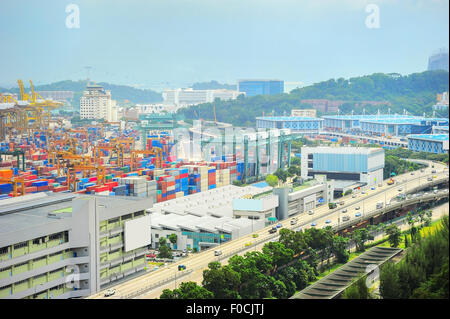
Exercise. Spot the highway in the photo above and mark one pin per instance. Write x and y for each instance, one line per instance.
(199, 261)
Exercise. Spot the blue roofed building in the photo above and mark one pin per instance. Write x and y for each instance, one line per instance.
(429, 143)
(260, 87)
(306, 125)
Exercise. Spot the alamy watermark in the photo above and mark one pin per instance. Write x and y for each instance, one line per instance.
(373, 19)
(73, 19)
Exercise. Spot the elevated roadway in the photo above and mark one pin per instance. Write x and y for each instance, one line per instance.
(323, 216)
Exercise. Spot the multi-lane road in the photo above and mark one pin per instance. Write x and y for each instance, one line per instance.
(323, 216)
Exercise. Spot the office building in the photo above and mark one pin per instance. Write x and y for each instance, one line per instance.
(96, 103)
(357, 164)
(67, 246)
(429, 143)
(260, 87)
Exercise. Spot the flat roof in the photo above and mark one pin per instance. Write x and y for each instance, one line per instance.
(385, 118)
(429, 137)
(288, 118)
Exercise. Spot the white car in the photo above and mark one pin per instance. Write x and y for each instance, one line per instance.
(110, 292)
(310, 212)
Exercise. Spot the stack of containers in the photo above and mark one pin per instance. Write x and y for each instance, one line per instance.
(137, 186)
(211, 178)
(152, 189)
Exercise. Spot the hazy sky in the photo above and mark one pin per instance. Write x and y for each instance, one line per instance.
(172, 43)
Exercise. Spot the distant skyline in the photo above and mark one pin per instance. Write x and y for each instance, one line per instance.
(174, 43)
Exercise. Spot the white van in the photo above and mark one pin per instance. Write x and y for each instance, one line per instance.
(217, 252)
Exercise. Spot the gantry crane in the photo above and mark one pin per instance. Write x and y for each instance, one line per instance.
(14, 182)
(118, 149)
(154, 151)
(72, 179)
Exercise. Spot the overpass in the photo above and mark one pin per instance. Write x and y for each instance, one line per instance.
(199, 261)
(392, 142)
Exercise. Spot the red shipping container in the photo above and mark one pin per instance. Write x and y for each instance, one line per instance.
(30, 189)
(101, 189)
(42, 188)
(93, 179)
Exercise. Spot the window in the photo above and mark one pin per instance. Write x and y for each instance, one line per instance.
(21, 264)
(156, 235)
(139, 213)
(3, 250)
(5, 269)
(128, 216)
(20, 282)
(114, 220)
(114, 236)
(20, 245)
(55, 236)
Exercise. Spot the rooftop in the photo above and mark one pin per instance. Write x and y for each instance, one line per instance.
(430, 137)
(288, 118)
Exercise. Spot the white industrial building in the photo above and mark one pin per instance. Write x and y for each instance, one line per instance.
(184, 97)
(208, 218)
(358, 164)
(96, 103)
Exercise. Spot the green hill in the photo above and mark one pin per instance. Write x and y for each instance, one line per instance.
(415, 92)
(118, 92)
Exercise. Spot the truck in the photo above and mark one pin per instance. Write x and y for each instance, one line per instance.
(379, 205)
(332, 205)
(390, 182)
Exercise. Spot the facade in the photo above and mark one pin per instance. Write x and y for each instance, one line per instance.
(382, 124)
(430, 143)
(440, 129)
(260, 87)
(306, 125)
(60, 96)
(96, 103)
(359, 164)
(442, 102)
(184, 97)
(304, 113)
(438, 61)
(66, 246)
(256, 208)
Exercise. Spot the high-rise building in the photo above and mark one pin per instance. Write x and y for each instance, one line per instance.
(260, 87)
(96, 103)
(439, 60)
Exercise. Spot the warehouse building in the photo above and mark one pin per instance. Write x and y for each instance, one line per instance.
(382, 124)
(67, 246)
(358, 164)
(306, 125)
(440, 129)
(430, 143)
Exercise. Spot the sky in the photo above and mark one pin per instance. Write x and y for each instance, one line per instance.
(173, 43)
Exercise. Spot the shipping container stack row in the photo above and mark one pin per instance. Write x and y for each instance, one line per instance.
(172, 183)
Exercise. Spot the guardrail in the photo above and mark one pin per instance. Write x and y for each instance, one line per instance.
(156, 285)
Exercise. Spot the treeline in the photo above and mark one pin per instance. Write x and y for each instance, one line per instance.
(281, 269)
(396, 165)
(415, 92)
(423, 272)
(405, 153)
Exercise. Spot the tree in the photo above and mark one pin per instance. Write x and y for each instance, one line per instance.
(272, 180)
(222, 281)
(413, 229)
(358, 290)
(187, 290)
(340, 249)
(394, 234)
(359, 237)
(164, 250)
(389, 281)
(281, 174)
(296, 161)
(278, 254)
(173, 238)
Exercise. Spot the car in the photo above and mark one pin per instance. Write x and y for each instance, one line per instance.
(412, 173)
(357, 214)
(248, 244)
(255, 235)
(310, 212)
(372, 188)
(433, 171)
(344, 211)
(345, 218)
(435, 191)
(279, 225)
(151, 255)
(354, 196)
(181, 267)
(400, 189)
(217, 252)
(357, 208)
(293, 221)
(341, 203)
(109, 292)
(314, 224)
(429, 179)
(434, 176)
(422, 170)
(327, 221)
(272, 230)
(363, 192)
